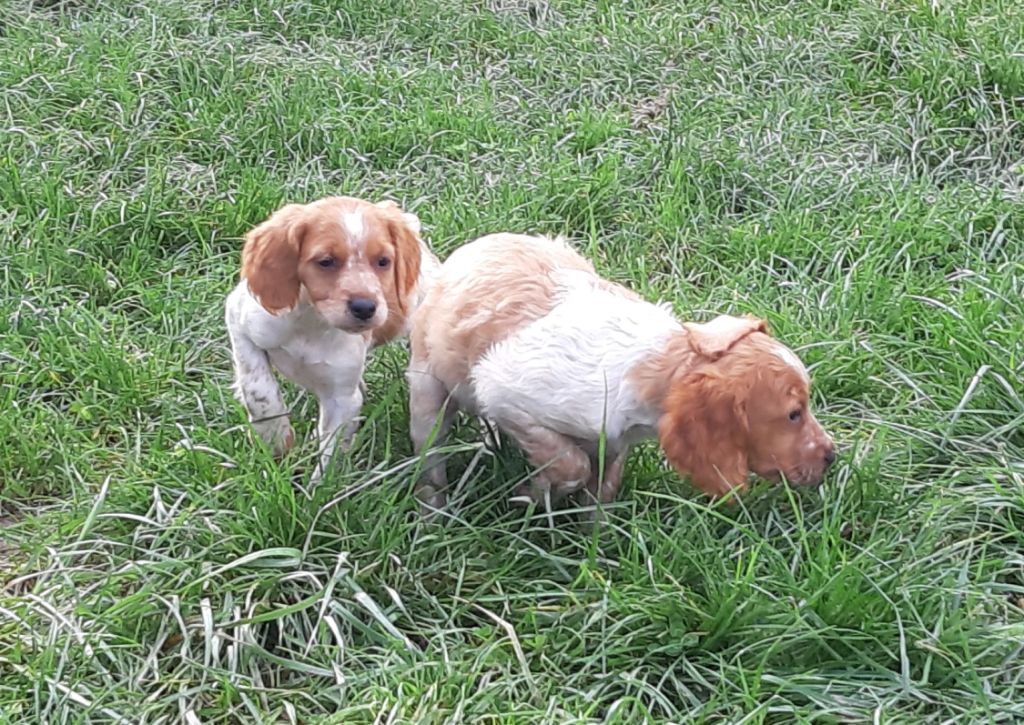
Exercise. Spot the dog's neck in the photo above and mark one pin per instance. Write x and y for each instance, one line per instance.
(653, 376)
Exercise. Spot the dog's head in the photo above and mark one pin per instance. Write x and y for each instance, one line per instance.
(743, 406)
(357, 263)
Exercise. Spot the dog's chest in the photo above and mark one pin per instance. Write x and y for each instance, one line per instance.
(320, 358)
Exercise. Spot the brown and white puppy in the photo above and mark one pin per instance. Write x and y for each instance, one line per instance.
(523, 332)
(322, 284)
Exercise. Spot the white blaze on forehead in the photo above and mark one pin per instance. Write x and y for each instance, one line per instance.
(787, 356)
(354, 224)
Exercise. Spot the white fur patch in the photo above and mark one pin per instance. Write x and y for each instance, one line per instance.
(568, 370)
(353, 223)
(787, 356)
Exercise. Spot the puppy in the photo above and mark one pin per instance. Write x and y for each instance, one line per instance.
(321, 285)
(523, 332)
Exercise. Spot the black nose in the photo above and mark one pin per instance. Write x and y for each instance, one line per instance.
(830, 456)
(362, 308)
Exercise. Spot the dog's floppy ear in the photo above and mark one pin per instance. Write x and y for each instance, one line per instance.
(270, 259)
(411, 220)
(713, 339)
(404, 228)
(703, 431)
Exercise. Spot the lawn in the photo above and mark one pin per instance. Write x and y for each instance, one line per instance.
(853, 171)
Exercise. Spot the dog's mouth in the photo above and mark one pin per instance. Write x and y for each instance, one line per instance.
(768, 473)
(796, 477)
(805, 478)
(356, 326)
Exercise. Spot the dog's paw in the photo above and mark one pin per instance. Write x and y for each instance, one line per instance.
(277, 434)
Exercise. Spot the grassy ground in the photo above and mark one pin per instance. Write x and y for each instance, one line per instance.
(852, 173)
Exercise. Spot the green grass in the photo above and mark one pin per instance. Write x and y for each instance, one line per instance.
(854, 174)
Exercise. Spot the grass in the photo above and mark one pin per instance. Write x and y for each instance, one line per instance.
(854, 173)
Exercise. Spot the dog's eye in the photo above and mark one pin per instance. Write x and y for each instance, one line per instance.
(795, 415)
(326, 262)
(383, 262)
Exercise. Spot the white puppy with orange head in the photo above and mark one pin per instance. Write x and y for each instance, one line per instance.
(522, 331)
(322, 284)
